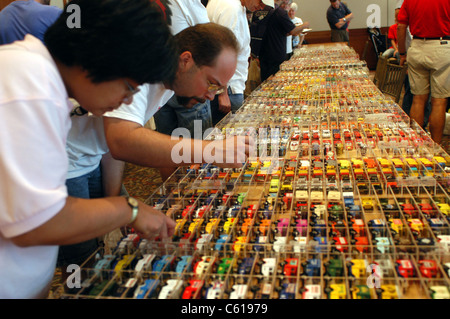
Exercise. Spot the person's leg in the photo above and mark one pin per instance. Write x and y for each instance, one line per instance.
(418, 108)
(437, 118)
(200, 112)
(388, 53)
(407, 97)
(236, 101)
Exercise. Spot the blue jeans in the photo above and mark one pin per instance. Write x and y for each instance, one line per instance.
(172, 116)
(86, 186)
(236, 101)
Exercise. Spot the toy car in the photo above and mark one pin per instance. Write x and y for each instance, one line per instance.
(439, 292)
(428, 268)
(204, 264)
(239, 292)
(312, 267)
(246, 265)
(164, 263)
(405, 268)
(291, 266)
(312, 292)
(268, 267)
(214, 290)
(287, 291)
(172, 289)
(147, 290)
(193, 290)
(388, 291)
(336, 291)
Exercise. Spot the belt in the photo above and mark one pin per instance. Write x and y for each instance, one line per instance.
(447, 37)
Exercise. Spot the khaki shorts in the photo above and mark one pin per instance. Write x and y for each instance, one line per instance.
(429, 67)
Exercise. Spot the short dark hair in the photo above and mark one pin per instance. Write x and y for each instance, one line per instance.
(206, 41)
(116, 39)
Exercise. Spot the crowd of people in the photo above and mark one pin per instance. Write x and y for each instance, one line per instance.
(74, 102)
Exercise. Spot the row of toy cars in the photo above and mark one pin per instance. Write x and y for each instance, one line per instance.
(143, 269)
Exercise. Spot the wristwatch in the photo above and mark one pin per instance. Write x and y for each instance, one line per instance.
(134, 204)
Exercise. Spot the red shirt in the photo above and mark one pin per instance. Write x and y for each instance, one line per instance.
(392, 34)
(426, 18)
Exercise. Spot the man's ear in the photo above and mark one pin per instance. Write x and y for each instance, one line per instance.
(186, 61)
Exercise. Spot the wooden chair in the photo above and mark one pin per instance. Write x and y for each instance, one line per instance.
(390, 77)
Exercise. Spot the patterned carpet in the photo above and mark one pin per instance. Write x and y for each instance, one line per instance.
(141, 182)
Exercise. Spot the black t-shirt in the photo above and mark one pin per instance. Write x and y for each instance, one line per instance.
(274, 41)
(333, 16)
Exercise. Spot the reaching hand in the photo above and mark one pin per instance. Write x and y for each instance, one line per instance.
(152, 223)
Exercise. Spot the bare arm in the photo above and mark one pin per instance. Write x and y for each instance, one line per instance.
(401, 36)
(130, 142)
(83, 219)
(112, 175)
(341, 22)
(298, 29)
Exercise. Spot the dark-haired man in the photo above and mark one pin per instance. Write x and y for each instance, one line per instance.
(200, 75)
(338, 17)
(120, 45)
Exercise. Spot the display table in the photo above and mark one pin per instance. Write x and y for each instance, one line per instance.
(343, 198)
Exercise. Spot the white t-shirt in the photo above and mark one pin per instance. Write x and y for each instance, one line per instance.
(186, 13)
(231, 14)
(294, 40)
(34, 122)
(86, 142)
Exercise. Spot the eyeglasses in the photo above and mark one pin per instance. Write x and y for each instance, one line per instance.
(215, 88)
(132, 90)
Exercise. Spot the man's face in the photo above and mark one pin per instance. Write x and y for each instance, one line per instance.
(99, 98)
(336, 4)
(285, 4)
(254, 5)
(291, 13)
(194, 84)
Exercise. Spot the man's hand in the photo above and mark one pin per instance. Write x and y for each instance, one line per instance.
(230, 152)
(224, 103)
(151, 223)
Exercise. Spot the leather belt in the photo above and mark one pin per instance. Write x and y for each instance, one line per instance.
(447, 37)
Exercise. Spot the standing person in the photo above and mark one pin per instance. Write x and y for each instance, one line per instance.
(273, 47)
(428, 59)
(338, 17)
(297, 40)
(173, 115)
(26, 17)
(232, 14)
(120, 45)
(408, 96)
(392, 51)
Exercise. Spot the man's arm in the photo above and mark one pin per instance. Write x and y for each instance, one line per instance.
(298, 29)
(83, 219)
(112, 175)
(131, 142)
(341, 21)
(401, 36)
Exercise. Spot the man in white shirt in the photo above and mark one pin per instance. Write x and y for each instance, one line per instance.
(185, 13)
(232, 14)
(122, 131)
(100, 66)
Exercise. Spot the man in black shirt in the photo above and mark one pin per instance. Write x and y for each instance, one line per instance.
(338, 17)
(273, 47)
